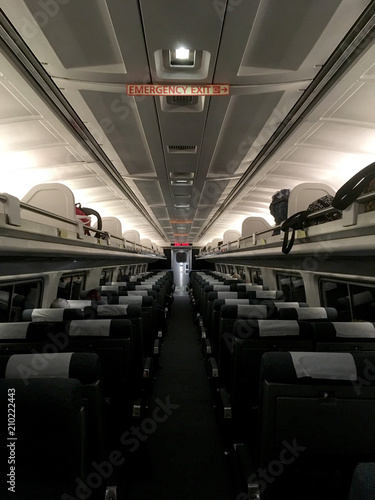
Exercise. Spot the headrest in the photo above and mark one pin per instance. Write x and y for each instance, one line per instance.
(221, 288)
(112, 310)
(275, 328)
(50, 314)
(342, 330)
(293, 367)
(249, 287)
(354, 329)
(36, 366)
(112, 288)
(268, 294)
(141, 293)
(234, 302)
(283, 305)
(227, 295)
(309, 313)
(79, 304)
(252, 311)
(245, 311)
(130, 299)
(14, 330)
(324, 365)
(84, 367)
(90, 327)
(257, 329)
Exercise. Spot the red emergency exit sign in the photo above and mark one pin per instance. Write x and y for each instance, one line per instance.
(180, 90)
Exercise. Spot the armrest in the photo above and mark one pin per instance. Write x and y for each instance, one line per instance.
(248, 470)
(225, 401)
(214, 368)
(207, 346)
(203, 332)
(137, 408)
(157, 347)
(147, 368)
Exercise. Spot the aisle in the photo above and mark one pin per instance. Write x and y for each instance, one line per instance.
(184, 458)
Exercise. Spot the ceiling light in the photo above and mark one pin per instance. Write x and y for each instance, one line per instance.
(182, 53)
(182, 57)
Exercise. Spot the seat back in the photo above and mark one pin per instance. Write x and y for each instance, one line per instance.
(344, 336)
(84, 367)
(243, 351)
(50, 429)
(322, 406)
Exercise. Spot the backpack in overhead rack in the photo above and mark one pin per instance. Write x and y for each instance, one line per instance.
(345, 196)
(279, 205)
(84, 213)
(301, 220)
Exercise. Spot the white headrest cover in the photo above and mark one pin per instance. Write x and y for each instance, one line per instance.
(137, 292)
(38, 365)
(130, 299)
(94, 327)
(112, 310)
(47, 315)
(327, 365)
(221, 288)
(348, 329)
(311, 313)
(272, 328)
(252, 311)
(235, 302)
(266, 294)
(13, 330)
(79, 304)
(226, 295)
(280, 305)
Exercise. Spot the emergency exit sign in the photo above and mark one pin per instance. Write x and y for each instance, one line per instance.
(179, 90)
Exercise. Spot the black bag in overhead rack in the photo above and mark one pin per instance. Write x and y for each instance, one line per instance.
(301, 220)
(344, 197)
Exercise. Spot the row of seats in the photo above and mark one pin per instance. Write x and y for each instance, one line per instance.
(102, 349)
(280, 383)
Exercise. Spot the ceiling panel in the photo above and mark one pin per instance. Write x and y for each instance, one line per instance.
(269, 51)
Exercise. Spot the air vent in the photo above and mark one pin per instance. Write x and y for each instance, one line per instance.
(182, 100)
(182, 149)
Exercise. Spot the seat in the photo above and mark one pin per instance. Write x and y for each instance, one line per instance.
(240, 361)
(344, 336)
(50, 447)
(149, 315)
(316, 422)
(84, 367)
(363, 482)
(111, 340)
(309, 313)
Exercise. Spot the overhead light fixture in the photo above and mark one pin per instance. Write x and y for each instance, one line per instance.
(182, 53)
(182, 57)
